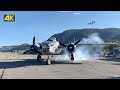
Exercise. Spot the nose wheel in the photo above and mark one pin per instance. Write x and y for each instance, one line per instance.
(48, 62)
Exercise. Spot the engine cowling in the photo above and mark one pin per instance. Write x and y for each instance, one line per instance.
(71, 48)
(35, 47)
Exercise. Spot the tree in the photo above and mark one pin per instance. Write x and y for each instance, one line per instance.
(110, 47)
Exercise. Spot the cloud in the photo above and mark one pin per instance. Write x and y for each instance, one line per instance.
(71, 12)
(76, 13)
(64, 11)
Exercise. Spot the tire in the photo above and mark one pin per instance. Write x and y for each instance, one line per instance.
(48, 62)
(38, 57)
(72, 57)
(51, 55)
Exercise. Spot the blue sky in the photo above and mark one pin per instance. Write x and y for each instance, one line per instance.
(43, 24)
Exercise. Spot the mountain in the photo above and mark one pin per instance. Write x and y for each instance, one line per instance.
(15, 48)
(116, 37)
(107, 34)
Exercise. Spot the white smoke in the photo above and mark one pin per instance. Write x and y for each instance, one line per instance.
(92, 39)
(86, 52)
(81, 54)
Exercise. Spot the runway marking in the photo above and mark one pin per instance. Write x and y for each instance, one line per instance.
(2, 73)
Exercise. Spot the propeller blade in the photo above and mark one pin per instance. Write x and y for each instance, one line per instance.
(63, 45)
(76, 42)
(33, 40)
(32, 47)
(26, 52)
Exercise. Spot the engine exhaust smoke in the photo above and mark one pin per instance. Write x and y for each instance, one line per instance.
(84, 53)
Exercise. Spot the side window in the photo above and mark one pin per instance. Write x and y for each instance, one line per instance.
(45, 50)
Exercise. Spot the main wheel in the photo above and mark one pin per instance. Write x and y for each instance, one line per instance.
(48, 61)
(38, 57)
(51, 55)
(72, 57)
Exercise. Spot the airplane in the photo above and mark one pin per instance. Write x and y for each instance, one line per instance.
(53, 47)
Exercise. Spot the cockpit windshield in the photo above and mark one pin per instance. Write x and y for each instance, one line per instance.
(52, 39)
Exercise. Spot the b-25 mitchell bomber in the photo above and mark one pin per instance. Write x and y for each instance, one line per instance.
(53, 47)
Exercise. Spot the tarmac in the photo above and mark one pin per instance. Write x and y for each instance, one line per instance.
(15, 66)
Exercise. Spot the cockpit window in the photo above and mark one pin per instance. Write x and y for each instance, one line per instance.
(49, 40)
(51, 44)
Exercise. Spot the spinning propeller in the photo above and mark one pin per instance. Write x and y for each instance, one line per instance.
(34, 47)
(70, 48)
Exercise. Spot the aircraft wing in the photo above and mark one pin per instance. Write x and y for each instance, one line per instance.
(98, 44)
(79, 45)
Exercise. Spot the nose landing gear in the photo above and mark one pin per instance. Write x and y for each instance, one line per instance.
(48, 61)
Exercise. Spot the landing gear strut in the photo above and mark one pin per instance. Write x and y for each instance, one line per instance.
(71, 57)
(48, 62)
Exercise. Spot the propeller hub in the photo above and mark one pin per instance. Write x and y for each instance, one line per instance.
(71, 48)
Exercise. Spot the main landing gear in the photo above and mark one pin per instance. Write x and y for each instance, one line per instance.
(71, 56)
(38, 57)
